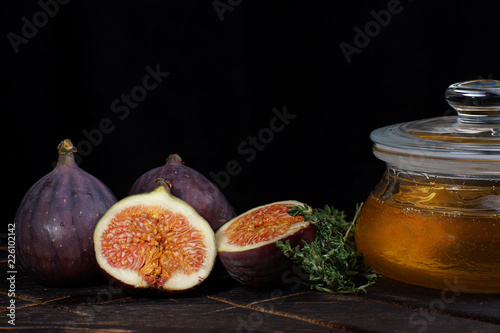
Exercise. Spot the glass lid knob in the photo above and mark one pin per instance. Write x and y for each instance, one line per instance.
(476, 101)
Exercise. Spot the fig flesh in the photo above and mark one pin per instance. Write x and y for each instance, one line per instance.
(55, 223)
(155, 242)
(190, 186)
(247, 244)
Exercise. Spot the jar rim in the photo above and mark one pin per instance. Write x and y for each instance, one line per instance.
(426, 162)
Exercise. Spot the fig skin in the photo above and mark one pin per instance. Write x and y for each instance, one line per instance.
(192, 187)
(264, 267)
(55, 223)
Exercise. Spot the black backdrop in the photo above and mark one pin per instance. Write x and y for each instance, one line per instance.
(282, 94)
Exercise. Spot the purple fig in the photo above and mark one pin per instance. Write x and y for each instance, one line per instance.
(190, 186)
(56, 220)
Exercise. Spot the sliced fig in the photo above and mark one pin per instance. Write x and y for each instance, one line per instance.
(156, 242)
(247, 243)
(190, 186)
(55, 223)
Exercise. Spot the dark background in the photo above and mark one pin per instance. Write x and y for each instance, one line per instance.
(225, 78)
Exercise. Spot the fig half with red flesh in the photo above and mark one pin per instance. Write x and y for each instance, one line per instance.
(155, 241)
(247, 244)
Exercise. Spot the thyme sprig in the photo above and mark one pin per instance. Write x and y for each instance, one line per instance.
(331, 259)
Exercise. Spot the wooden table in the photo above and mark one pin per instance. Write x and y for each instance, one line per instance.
(220, 305)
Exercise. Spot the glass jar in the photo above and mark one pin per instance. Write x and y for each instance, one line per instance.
(433, 219)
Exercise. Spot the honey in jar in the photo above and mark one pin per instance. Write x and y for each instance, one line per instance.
(433, 219)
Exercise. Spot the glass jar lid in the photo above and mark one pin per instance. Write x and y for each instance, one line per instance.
(468, 143)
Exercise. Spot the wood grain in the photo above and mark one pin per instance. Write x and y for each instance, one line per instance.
(222, 305)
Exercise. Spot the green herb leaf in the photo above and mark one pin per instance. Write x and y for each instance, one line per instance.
(331, 259)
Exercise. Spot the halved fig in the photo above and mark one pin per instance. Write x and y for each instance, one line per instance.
(247, 244)
(155, 241)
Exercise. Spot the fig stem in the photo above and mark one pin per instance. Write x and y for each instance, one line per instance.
(66, 150)
(163, 182)
(174, 159)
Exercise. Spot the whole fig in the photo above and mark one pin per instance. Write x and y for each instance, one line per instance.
(190, 186)
(56, 220)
